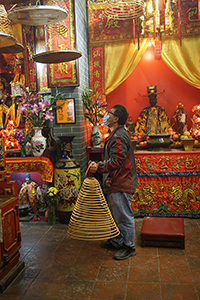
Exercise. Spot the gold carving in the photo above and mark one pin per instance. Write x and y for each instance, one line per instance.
(189, 163)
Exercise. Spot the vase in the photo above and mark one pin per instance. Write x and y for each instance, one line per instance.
(23, 151)
(96, 137)
(28, 149)
(38, 142)
(67, 179)
(51, 216)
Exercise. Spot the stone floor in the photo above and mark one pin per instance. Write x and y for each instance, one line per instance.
(60, 268)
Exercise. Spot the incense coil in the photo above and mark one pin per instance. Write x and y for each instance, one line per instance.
(91, 218)
(124, 10)
(5, 24)
(6, 33)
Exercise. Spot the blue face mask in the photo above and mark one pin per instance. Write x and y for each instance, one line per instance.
(105, 120)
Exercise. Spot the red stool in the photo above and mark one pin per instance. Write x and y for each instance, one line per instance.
(163, 232)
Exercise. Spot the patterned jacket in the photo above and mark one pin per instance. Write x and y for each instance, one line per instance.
(119, 162)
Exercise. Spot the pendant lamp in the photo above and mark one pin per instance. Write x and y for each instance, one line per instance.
(6, 35)
(37, 15)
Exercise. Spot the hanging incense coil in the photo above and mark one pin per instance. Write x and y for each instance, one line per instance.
(6, 34)
(56, 56)
(37, 15)
(124, 10)
(16, 48)
(91, 218)
(58, 29)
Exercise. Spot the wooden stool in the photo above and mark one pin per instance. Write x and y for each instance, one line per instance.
(163, 232)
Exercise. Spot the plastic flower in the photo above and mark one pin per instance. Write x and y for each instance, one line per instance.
(51, 196)
(49, 116)
(94, 105)
(36, 109)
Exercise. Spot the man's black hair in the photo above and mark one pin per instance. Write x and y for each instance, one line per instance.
(121, 113)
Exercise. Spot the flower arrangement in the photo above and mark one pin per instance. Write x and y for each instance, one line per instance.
(94, 105)
(22, 137)
(51, 197)
(36, 109)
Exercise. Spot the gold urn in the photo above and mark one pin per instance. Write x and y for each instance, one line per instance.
(188, 144)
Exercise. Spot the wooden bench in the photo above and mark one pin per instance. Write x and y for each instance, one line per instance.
(163, 232)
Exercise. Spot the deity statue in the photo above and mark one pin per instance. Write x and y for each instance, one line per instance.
(153, 119)
(130, 125)
(180, 117)
(28, 194)
(14, 114)
(4, 110)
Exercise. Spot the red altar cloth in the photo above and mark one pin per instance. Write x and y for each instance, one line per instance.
(42, 165)
(168, 184)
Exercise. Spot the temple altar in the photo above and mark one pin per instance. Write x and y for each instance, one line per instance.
(168, 184)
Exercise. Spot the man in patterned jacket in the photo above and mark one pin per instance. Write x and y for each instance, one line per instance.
(119, 181)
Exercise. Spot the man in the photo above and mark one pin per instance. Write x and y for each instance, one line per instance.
(119, 181)
(152, 119)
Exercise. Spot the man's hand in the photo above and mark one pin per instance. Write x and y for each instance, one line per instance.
(108, 182)
(93, 167)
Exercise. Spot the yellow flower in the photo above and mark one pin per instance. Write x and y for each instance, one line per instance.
(51, 194)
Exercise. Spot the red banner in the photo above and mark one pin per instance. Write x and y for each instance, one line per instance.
(158, 49)
(103, 28)
(106, 29)
(41, 69)
(29, 64)
(97, 67)
(61, 36)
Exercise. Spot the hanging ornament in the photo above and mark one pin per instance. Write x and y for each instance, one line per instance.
(158, 49)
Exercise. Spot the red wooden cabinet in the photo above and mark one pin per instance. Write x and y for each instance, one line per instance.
(10, 235)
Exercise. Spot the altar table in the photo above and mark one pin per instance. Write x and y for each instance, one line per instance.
(168, 184)
(42, 165)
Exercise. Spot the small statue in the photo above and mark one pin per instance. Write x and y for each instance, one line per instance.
(28, 194)
(130, 125)
(180, 117)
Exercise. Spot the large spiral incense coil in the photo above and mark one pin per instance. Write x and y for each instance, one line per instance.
(6, 34)
(124, 10)
(58, 29)
(16, 48)
(91, 218)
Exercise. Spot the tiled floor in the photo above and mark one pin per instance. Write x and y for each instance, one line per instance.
(60, 268)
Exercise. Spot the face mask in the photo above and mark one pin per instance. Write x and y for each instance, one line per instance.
(105, 120)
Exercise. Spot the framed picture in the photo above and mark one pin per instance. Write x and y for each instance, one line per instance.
(65, 113)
